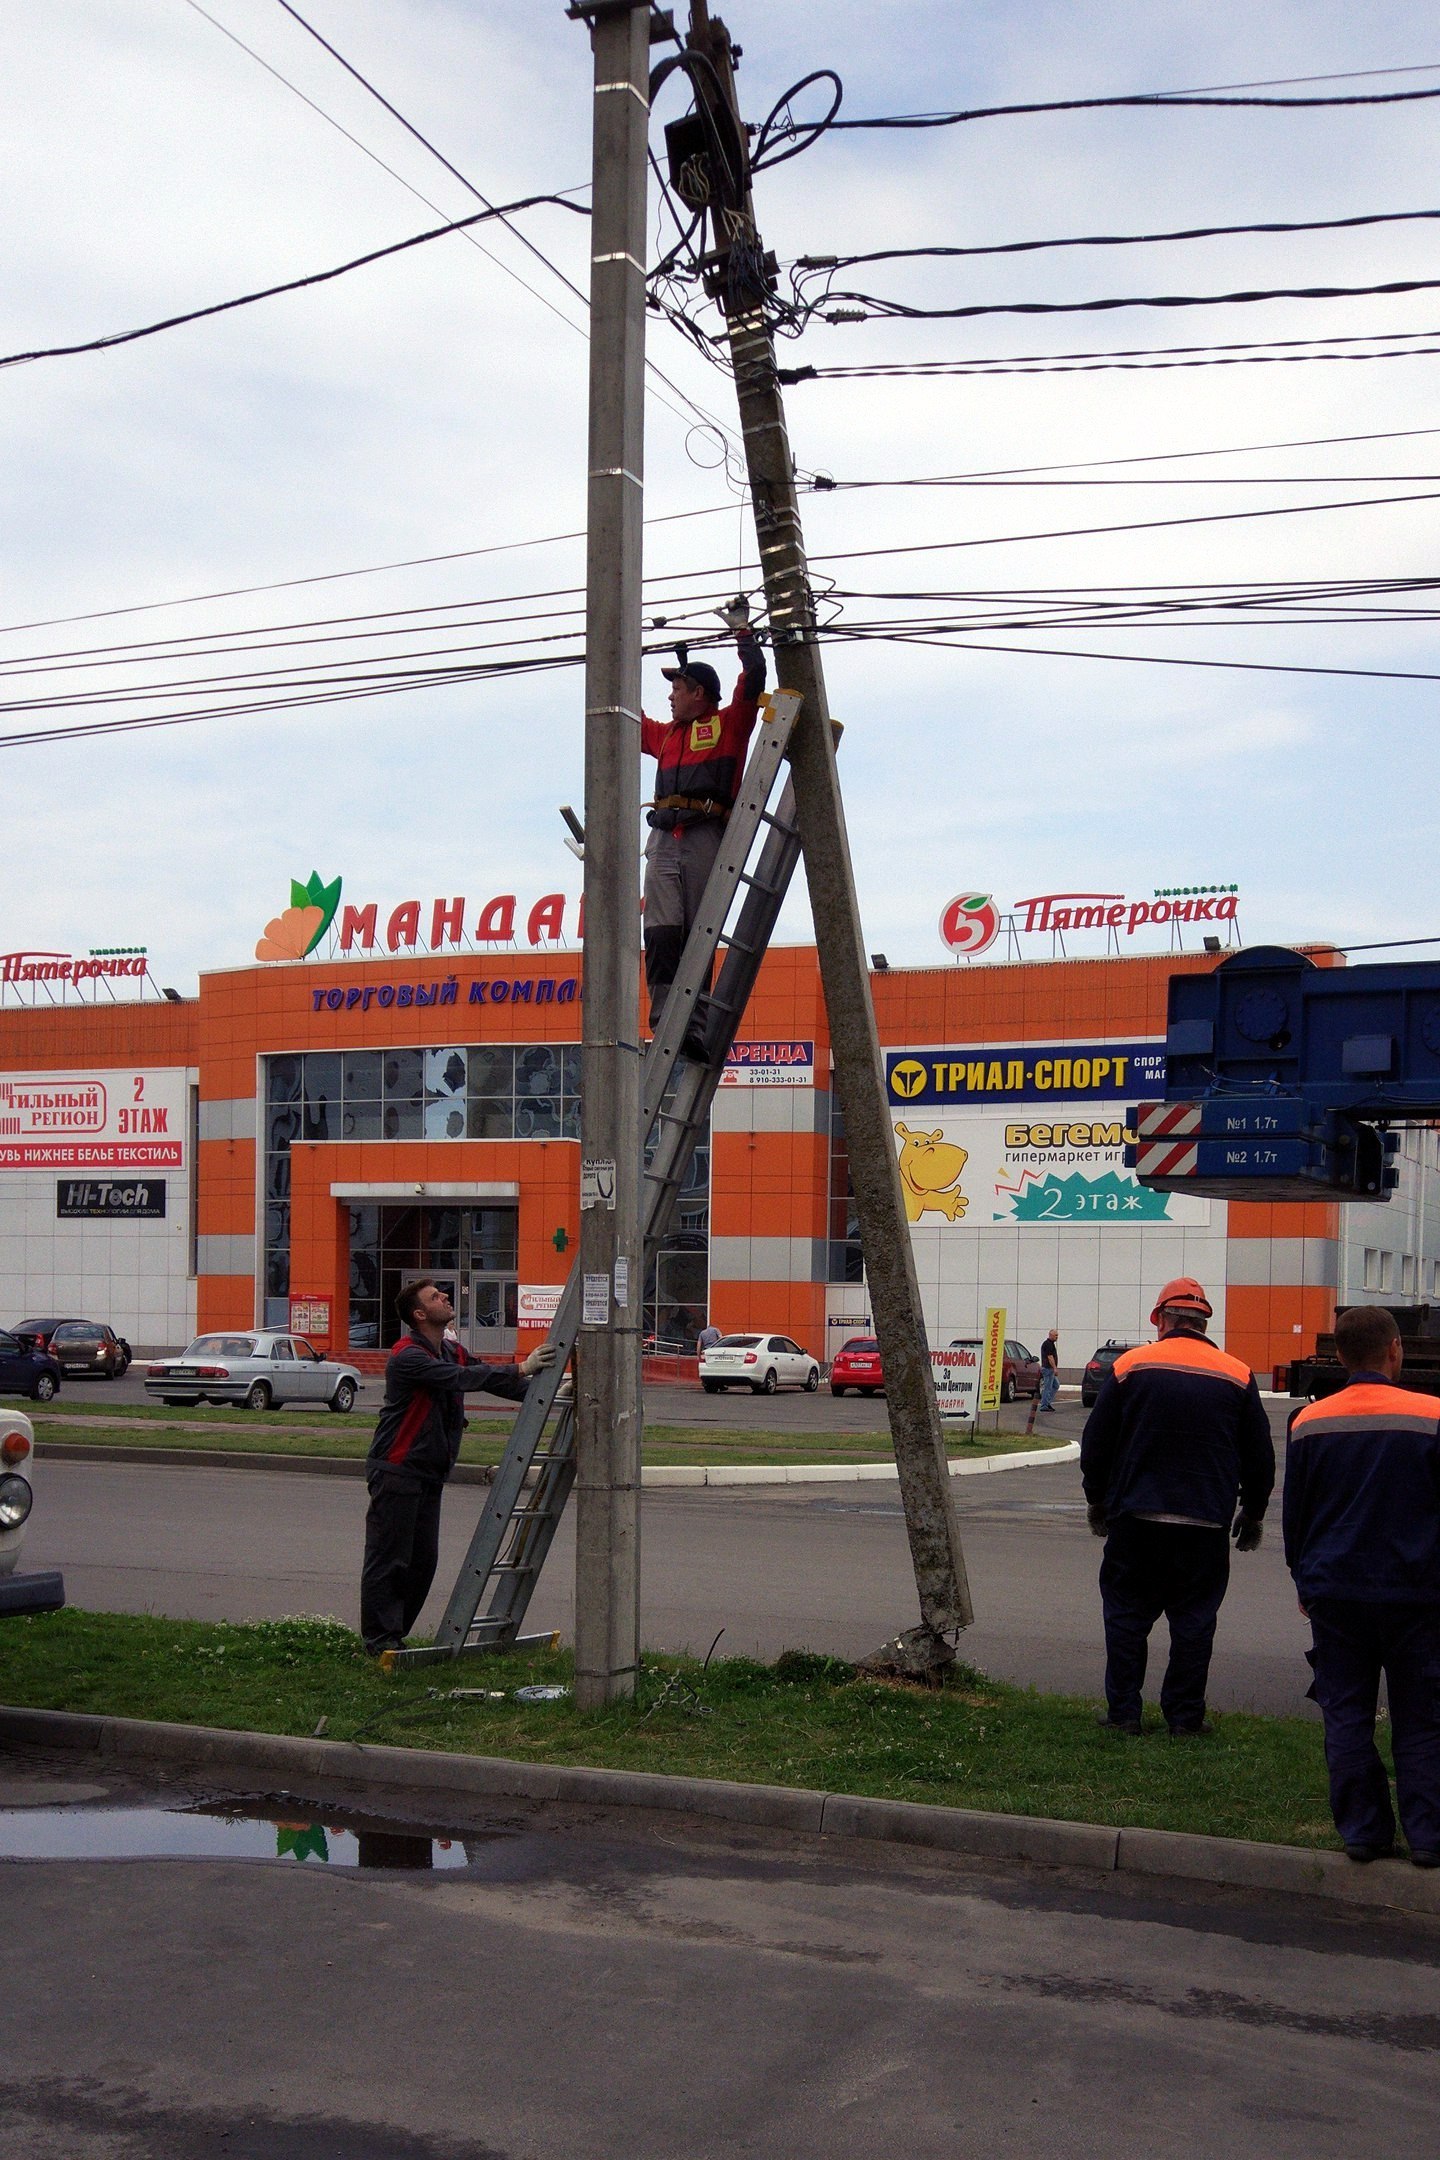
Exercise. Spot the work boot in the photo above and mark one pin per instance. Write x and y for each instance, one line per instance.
(1129, 1726)
(1203, 1731)
(1362, 1855)
(1424, 1858)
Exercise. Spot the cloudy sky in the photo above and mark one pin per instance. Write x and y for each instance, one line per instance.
(435, 405)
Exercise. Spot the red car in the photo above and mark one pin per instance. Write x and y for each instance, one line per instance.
(857, 1365)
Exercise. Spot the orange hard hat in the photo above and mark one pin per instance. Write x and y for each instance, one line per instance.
(1184, 1294)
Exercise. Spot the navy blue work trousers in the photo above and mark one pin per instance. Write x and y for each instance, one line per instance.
(1354, 1644)
(402, 1551)
(1152, 1568)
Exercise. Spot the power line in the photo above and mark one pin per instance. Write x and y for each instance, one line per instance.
(1095, 240)
(1251, 351)
(269, 292)
(1149, 98)
(465, 182)
(872, 306)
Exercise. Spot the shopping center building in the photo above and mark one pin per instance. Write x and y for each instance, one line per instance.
(292, 1142)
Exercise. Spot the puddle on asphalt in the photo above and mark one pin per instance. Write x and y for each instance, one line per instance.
(212, 1831)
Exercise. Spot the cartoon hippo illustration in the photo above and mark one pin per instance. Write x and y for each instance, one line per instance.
(930, 1166)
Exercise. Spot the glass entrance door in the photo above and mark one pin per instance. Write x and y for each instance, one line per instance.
(472, 1252)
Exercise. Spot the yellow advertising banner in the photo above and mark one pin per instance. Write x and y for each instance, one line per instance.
(992, 1363)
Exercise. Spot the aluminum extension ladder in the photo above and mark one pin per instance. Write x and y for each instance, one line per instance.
(518, 1523)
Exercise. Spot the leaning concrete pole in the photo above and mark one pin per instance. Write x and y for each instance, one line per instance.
(608, 1406)
(925, 1485)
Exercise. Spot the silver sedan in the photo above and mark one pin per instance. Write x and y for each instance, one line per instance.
(256, 1370)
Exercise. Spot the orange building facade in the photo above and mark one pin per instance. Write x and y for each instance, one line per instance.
(355, 1121)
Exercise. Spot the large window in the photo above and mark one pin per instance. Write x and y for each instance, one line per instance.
(847, 1261)
(491, 1091)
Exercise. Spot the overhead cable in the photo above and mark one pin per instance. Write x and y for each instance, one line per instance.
(269, 292)
(1149, 98)
(1096, 240)
(873, 306)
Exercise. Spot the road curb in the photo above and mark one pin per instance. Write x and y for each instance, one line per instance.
(656, 1474)
(1227, 1863)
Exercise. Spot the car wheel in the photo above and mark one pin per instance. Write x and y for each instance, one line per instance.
(711, 1387)
(837, 1390)
(812, 1380)
(344, 1396)
(1007, 1389)
(258, 1396)
(771, 1382)
(46, 1387)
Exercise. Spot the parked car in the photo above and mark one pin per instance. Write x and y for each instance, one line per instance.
(1019, 1371)
(857, 1364)
(26, 1369)
(20, 1593)
(255, 1370)
(17, 1490)
(763, 1363)
(1098, 1369)
(81, 1346)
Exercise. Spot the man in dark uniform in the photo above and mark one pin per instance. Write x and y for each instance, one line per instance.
(1362, 1540)
(699, 757)
(1178, 1432)
(417, 1439)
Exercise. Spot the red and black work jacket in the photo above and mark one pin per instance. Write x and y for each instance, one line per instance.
(422, 1419)
(1179, 1430)
(1362, 1495)
(699, 762)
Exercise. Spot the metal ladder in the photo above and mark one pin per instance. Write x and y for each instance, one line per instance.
(517, 1524)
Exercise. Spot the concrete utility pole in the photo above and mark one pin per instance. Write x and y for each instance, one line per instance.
(608, 1407)
(925, 1486)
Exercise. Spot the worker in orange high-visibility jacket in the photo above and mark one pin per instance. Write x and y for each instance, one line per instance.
(699, 758)
(1362, 1540)
(1178, 1434)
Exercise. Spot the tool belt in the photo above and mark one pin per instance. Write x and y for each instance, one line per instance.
(670, 811)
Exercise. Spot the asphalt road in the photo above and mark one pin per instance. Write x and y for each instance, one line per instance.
(823, 1567)
(670, 1990)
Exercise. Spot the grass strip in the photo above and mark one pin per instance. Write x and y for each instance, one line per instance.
(806, 1720)
(664, 1444)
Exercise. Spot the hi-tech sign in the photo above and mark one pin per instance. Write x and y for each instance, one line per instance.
(971, 922)
(110, 1199)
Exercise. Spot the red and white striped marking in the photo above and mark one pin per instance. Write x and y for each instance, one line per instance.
(1154, 1120)
(1166, 1158)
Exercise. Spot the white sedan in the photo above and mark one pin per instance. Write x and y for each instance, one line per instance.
(254, 1370)
(763, 1363)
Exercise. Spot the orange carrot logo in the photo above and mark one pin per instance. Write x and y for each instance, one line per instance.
(298, 931)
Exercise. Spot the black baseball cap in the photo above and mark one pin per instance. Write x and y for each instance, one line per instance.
(698, 672)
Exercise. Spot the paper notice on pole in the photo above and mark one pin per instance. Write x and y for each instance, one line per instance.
(597, 1182)
(622, 1280)
(595, 1304)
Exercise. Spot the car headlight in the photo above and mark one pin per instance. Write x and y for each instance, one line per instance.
(16, 1500)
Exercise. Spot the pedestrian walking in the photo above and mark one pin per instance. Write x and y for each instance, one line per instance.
(1361, 1517)
(417, 1439)
(699, 760)
(1178, 1434)
(707, 1338)
(1049, 1370)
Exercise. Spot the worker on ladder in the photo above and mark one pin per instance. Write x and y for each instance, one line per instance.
(700, 757)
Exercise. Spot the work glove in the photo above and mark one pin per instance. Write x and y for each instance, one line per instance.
(1247, 1533)
(736, 614)
(1095, 1516)
(539, 1360)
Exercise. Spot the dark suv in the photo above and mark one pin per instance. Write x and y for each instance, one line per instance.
(1098, 1369)
(80, 1346)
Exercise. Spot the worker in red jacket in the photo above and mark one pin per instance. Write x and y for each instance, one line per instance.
(699, 756)
(1177, 1436)
(1362, 1539)
(416, 1445)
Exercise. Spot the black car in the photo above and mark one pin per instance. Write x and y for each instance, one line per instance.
(1098, 1369)
(26, 1369)
(81, 1346)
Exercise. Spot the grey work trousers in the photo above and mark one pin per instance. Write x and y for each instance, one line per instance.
(677, 870)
